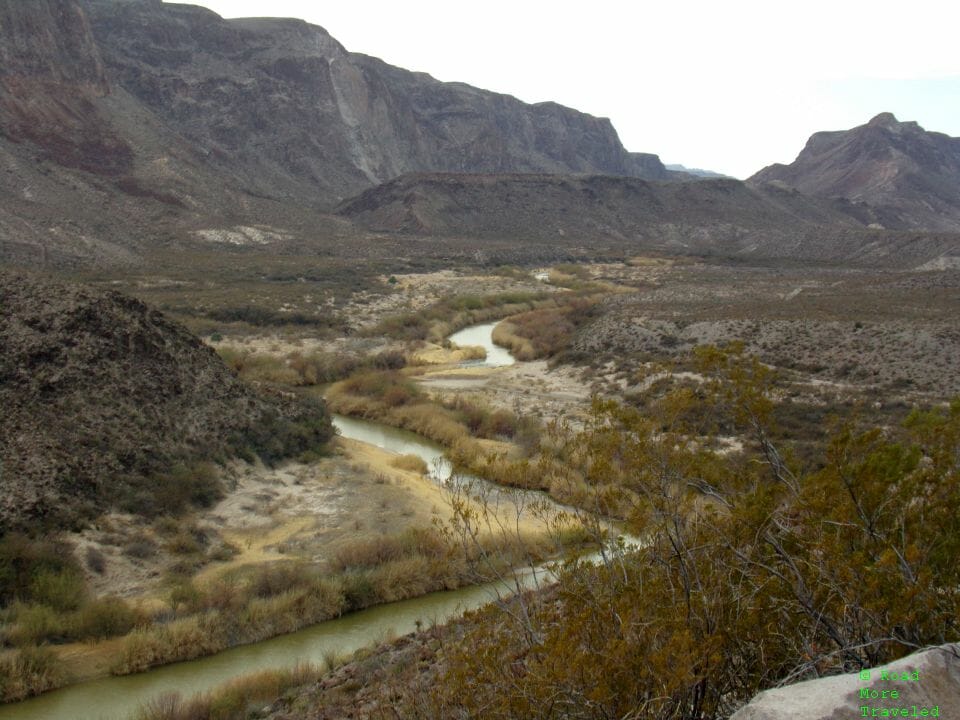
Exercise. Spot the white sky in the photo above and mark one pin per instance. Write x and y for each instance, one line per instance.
(727, 85)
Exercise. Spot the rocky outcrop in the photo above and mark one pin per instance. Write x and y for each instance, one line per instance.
(908, 176)
(99, 392)
(925, 681)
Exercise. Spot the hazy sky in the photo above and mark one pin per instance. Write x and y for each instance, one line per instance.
(727, 85)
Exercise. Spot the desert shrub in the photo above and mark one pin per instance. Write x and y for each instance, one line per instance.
(545, 332)
(102, 618)
(277, 578)
(265, 368)
(454, 312)
(223, 552)
(35, 624)
(61, 590)
(174, 491)
(28, 672)
(172, 706)
(276, 437)
(183, 639)
(359, 591)
(184, 594)
(753, 571)
(96, 560)
(379, 550)
(184, 543)
(267, 317)
(234, 700)
(408, 326)
(140, 546)
(412, 463)
(378, 384)
(39, 570)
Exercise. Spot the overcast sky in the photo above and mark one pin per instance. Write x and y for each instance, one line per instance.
(727, 85)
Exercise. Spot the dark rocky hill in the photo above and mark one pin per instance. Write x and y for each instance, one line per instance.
(911, 177)
(101, 396)
(704, 217)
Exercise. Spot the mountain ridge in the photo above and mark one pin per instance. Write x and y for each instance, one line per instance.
(909, 175)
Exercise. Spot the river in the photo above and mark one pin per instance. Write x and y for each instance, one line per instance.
(117, 698)
(482, 335)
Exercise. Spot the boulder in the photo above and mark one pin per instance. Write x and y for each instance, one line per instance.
(927, 681)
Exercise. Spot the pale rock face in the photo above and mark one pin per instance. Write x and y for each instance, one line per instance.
(937, 685)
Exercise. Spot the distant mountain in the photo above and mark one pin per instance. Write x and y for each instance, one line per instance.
(697, 172)
(137, 119)
(910, 177)
(704, 217)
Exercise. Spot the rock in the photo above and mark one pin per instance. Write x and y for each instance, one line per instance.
(937, 686)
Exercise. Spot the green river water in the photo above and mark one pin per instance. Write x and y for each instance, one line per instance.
(117, 698)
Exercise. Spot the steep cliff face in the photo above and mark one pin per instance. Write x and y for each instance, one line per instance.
(285, 105)
(51, 73)
(911, 176)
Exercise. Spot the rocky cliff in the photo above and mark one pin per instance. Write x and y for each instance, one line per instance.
(285, 105)
(51, 75)
(911, 177)
(277, 105)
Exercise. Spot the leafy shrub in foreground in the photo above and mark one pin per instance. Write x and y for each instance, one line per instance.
(751, 573)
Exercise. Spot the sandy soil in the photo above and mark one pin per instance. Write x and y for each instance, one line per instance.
(297, 511)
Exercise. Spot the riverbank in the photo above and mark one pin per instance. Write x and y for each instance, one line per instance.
(269, 587)
(200, 583)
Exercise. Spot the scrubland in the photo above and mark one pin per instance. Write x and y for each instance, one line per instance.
(854, 353)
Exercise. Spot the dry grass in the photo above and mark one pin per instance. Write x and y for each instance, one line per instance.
(545, 332)
(411, 463)
(232, 701)
(28, 672)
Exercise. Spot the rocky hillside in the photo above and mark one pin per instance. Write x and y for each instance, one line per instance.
(909, 175)
(705, 217)
(101, 396)
(125, 124)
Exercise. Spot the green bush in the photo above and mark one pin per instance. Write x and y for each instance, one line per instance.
(102, 618)
(174, 491)
(43, 571)
(35, 624)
